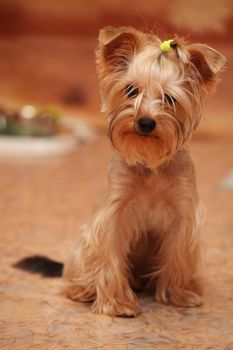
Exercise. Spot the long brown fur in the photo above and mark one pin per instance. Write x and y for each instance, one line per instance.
(147, 232)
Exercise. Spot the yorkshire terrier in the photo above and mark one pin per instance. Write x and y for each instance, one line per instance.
(146, 235)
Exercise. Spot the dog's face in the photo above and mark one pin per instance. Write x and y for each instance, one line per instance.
(152, 99)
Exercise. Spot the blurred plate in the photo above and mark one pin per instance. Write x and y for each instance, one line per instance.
(75, 131)
(37, 147)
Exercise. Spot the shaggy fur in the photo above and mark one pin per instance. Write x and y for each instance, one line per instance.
(147, 232)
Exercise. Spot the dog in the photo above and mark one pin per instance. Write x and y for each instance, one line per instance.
(146, 234)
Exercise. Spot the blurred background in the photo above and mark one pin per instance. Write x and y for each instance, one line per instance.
(50, 185)
(47, 49)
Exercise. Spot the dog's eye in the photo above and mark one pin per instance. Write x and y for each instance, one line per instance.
(169, 99)
(131, 91)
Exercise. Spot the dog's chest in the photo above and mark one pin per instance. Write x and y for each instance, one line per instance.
(159, 194)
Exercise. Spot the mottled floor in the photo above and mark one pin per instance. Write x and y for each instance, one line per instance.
(42, 205)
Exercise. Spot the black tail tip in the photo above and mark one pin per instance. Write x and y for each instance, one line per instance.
(40, 265)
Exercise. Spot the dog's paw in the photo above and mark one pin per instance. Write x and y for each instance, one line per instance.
(183, 298)
(116, 308)
(79, 293)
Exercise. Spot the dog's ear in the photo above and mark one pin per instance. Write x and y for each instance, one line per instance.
(118, 45)
(208, 62)
(109, 33)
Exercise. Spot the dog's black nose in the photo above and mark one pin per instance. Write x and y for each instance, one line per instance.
(146, 125)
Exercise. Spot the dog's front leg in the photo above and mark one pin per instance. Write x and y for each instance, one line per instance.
(114, 295)
(178, 265)
(98, 269)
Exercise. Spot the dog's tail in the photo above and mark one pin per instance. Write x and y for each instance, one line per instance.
(40, 265)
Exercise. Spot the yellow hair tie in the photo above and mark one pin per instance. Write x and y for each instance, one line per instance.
(166, 45)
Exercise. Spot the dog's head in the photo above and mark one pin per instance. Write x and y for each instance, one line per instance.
(152, 96)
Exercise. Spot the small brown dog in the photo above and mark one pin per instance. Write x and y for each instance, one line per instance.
(146, 234)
